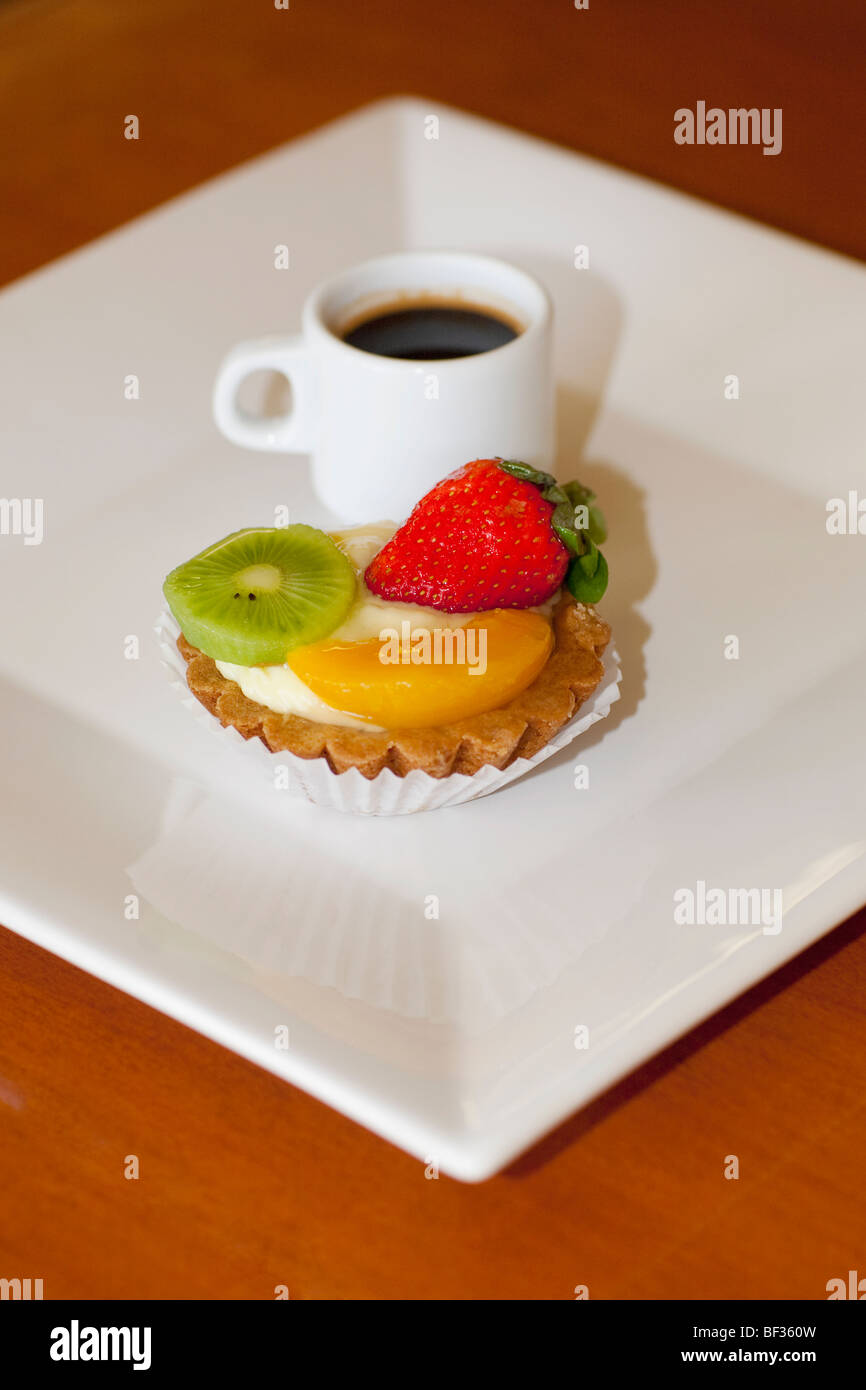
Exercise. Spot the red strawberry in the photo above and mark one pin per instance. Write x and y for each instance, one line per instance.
(480, 539)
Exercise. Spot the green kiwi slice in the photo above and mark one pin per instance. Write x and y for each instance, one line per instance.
(252, 597)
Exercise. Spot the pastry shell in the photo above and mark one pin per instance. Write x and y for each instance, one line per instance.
(516, 730)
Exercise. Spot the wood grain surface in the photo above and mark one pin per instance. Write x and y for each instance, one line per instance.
(245, 1182)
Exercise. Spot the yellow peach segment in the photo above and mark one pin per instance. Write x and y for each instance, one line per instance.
(412, 678)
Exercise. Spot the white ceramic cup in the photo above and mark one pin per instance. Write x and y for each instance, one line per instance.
(382, 430)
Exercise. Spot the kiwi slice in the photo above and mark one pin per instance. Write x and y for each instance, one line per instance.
(255, 595)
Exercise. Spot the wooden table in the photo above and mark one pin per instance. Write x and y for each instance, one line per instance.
(247, 1183)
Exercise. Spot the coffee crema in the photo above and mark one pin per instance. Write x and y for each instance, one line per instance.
(429, 329)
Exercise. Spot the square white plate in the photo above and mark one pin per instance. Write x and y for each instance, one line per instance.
(453, 1036)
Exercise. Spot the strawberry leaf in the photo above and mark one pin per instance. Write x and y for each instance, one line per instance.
(584, 588)
(597, 527)
(577, 494)
(589, 560)
(526, 473)
(555, 495)
(562, 522)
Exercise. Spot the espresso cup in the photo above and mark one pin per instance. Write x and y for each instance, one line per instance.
(382, 429)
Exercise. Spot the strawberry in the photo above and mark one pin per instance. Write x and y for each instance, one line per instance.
(482, 538)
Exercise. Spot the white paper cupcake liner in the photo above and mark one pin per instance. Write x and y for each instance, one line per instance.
(387, 794)
(307, 909)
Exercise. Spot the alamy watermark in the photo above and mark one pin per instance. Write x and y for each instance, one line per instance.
(854, 1287)
(22, 516)
(846, 516)
(729, 907)
(438, 646)
(735, 126)
(77, 1343)
(23, 1289)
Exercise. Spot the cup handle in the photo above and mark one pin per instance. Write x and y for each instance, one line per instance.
(290, 433)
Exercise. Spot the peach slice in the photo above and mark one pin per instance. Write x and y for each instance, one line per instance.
(416, 679)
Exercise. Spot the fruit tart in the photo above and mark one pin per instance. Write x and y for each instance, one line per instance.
(464, 638)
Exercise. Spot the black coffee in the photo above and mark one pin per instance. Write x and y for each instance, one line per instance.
(425, 332)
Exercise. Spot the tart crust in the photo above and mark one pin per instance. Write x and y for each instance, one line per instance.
(516, 730)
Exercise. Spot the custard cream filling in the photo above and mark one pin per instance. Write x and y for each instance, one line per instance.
(280, 690)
